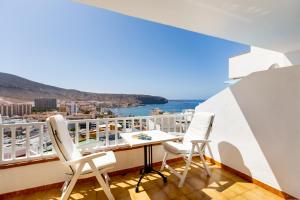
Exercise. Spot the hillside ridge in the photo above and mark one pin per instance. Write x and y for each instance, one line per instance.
(17, 89)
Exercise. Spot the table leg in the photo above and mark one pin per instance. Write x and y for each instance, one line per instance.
(148, 163)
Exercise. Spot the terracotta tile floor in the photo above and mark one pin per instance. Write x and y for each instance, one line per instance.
(221, 185)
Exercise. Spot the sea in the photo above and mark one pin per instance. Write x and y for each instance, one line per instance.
(173, 106)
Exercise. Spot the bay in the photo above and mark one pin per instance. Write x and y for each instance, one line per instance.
(173, 106)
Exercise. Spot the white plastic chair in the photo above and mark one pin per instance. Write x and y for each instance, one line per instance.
(77, 165)
(194, 143)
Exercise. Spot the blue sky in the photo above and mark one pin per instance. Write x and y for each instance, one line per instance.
(71, 45)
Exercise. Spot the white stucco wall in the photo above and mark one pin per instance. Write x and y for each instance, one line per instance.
(257, 129)
(257, 59)
(294, 56)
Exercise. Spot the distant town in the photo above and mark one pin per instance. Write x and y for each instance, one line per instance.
(42, 108)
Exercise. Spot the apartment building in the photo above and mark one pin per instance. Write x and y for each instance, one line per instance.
(45, 104)
(15, 109)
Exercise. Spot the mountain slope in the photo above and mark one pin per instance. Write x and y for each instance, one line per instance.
(18, 89)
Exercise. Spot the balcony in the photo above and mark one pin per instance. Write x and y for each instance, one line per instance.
(26, 152)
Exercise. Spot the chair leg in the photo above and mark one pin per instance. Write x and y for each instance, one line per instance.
(164, 162)
(186, 169)
(204, 163)
(66, 193)
(106, 178)
(210, 151)
(101, 181)
(66, 183)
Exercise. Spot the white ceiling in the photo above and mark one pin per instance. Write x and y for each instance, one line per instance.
(271, 24)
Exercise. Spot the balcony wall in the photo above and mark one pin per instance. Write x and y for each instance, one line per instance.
(30, 176)
(257, 129)
(257, 59)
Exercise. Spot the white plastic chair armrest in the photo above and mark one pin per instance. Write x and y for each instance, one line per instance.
(85, 158)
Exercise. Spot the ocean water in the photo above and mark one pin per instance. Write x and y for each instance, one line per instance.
(172, 106)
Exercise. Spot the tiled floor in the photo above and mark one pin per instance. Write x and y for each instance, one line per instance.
(221, 185)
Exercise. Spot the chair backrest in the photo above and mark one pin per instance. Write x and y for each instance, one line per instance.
(61, 139)
(200, 126)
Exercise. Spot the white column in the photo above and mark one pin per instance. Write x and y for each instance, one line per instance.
(12, 110)
(1, 110)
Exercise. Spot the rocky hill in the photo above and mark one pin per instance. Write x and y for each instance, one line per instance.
(17, 89)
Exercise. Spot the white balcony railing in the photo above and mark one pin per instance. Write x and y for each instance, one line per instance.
(29, 141)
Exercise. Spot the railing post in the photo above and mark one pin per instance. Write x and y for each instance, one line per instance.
(141, 124)
(169, 123)
(97, 131)
(185, 123)
(154, 122)
(132, 125)
(1, 143)
(41, 134)
(27, 141)
(87, 133)
(76, 133)
(124, 125)
(106, 134)
(180, 121)
(116, 131)
(174, 122)
(147, 124)
(13, 143)
(162, 121)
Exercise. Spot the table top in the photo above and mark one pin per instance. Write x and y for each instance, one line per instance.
(157, 137)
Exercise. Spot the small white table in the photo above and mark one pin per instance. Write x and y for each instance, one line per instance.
(157, 137)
